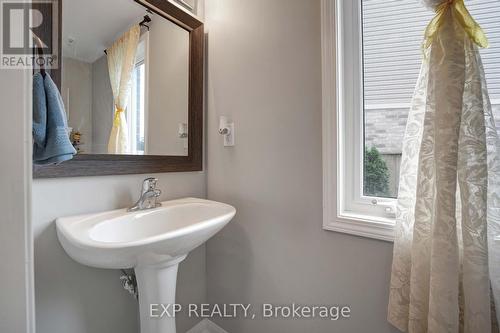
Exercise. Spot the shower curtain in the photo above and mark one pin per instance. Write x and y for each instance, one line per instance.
(121, 60)
(446, 266)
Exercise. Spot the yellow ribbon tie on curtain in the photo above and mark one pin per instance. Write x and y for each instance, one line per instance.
(117, 121)
(460, 12)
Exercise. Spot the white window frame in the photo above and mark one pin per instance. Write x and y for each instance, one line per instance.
(131, 121)
(132, 112)
(345, 209)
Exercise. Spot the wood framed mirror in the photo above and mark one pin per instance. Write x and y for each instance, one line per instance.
(151, 154)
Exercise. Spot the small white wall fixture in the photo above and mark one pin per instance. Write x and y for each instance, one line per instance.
(226, 129)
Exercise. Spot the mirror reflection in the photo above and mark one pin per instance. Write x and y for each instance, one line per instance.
(124, 79)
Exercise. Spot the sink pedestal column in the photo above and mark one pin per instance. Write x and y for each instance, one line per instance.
(156, 285)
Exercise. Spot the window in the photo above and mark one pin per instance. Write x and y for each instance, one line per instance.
(190, 5)
(136, 115)
(371, 62)
(136, 111)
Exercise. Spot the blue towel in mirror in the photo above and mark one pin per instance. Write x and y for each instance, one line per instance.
(50, 135)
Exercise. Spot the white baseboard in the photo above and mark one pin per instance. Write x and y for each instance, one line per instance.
(207, 326)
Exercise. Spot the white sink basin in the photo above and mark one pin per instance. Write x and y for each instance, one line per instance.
(153, 242)
(118, 239)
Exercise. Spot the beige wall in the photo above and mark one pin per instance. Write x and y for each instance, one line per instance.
(168, 88)
(88, 98)
(74, 298)
(264, 72)
(77, 95)
(102, 106)
(16, 271)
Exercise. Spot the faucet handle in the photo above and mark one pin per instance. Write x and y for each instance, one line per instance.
(149, 184)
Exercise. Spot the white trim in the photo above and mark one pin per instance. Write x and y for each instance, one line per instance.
(376, 106)
(146, 91)
(329, 120)
(131, 119)
(350, 116)
(364, 226)
(335, 216)
(186, 5)
(206, 326)
(382, 106)
(28, 172)
(198, 14)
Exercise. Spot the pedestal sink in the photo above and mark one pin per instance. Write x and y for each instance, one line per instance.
(152, 242)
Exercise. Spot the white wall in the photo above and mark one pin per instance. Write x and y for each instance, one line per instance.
(102, 106)
(77, 95)
(86, 89)
(168, 88)
(74, 298)
(16, 253)
(264, 71)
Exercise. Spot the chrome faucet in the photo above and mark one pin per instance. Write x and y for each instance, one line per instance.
(149, 196)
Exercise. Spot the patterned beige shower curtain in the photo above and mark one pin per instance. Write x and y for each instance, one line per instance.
(446, 266)
(121, 61)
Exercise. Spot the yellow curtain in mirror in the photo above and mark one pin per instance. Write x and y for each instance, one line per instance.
(121, 59)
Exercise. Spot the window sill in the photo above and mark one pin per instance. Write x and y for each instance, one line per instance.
(362, 225)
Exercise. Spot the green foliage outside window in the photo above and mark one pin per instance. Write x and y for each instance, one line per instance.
(376, 174)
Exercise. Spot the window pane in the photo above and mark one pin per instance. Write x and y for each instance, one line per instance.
(140, 110)
(137, 133)
(392, 36)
